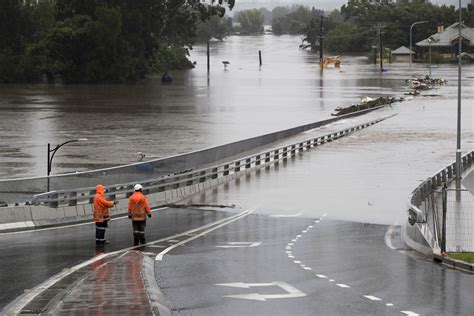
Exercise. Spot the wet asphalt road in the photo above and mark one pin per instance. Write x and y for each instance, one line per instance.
(30, 258)
(342, 268)
(327, 267)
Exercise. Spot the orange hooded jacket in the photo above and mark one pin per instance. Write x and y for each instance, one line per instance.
(138, 206)
(101, 204)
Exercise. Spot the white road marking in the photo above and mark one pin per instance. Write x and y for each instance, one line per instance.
(23, 300)
(331, 280)
(307, 268)
(288, 248)
(343, 285)
(388, 237)
(410, 313)
(173, 240)
(317, 221)
(296, 261)
(304, 231)
(287, 215)
(293, 240)
(292, 292)
(157, 246)
(298, 236)
(290, 244)
(160, 256)
(288, 251)
(240, 244)
(321, 276)
(389, 304)
(372, 298)
(310, 226)
(291, 256)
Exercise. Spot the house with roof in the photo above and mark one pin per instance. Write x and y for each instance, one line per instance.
(402, 54)
(445, 42)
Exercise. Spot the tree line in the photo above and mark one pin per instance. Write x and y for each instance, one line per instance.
(98, 40)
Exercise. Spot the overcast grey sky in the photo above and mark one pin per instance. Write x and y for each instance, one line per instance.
(320, 4)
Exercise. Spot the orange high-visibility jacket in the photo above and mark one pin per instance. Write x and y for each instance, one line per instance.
(138, 206)
(101, 204)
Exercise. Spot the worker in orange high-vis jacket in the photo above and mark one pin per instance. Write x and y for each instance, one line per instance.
(101, 213)
(138, 210)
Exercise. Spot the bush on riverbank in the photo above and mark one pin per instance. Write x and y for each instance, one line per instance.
(96, 41)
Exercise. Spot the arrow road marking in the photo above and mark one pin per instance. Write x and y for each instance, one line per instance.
(240, 244)
(292, 292)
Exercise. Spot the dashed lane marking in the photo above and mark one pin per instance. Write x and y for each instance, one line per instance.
(321, 276)
(372, 298)
(343, 285)
(410, 313)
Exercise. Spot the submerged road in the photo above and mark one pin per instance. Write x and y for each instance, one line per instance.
(256, 264)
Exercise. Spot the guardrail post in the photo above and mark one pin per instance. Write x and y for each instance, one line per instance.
(257, 160)
(443, 229)
(267, 157)
(91, 194)
(464, 163)
(444, 176)
(53, 196)
(293, 150)
(226, 170)
(190, 181)
(73, 198)
(110, 193)
(215, 173)
(276, 155)
(285, 153)
(450, 172)
(300, 146)
(203, 176)
(439, 181)
(237, 167)
(308, 144)
(247, 163)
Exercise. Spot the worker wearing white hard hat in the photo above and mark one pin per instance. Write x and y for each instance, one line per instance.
(138, 210)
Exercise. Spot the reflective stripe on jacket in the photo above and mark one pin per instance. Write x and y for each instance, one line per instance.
(101, 204)
(138, 206)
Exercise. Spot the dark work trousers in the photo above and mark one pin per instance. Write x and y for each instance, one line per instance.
(139, 232)
(100, 229)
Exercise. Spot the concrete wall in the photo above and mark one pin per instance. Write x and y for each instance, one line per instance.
(33, 217)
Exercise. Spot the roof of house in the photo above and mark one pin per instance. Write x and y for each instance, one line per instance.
(449, 35)
(402, 50)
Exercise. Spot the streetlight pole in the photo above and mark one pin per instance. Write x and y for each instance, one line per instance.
(411, 29)
(429, 42)
(458, 147)
(52, 152)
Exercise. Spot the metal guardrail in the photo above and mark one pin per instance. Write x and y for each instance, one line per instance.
(426, 188)
(188, 178)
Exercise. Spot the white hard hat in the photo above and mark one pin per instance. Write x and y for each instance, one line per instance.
(137, 187)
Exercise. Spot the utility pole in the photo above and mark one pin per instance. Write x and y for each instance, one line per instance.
(208, 58)
(380, 48)
(321, 43)
(458, 141)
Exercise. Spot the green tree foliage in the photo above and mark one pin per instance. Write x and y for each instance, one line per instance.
(355, 28)
(346, 37)
(251, 21)
(98, 40)
(215, 27)
(296, 21)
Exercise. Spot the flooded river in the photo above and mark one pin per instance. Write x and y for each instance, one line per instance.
(379, 165)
